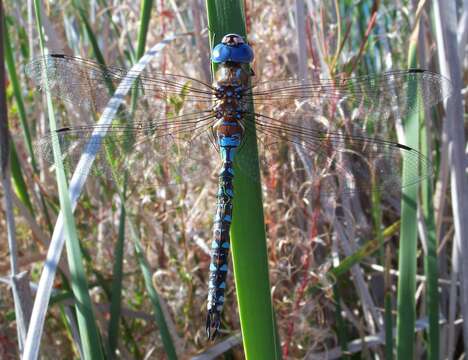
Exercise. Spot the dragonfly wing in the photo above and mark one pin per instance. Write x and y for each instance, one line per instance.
(394, 92)
(335, 162)
(85, 82)
(163, 151)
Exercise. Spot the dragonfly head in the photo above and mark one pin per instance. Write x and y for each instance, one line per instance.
(234, 49)
(232, 40)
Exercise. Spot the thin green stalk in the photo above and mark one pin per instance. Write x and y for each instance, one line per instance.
(340, 322)
(249, 252)
(406, 307)
(406, 304)
(20, 185)
(145, 10)
(109, 13)
(146, 6)
(89, 333)
(428, 213)
(116, 294)
(431, 263)
(154, 297)
(102, 283)
(430, 260)
(92, 38)
(13, 77)
(364, 251)
(388, 323)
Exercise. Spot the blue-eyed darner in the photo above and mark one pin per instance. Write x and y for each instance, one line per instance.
(336, 127)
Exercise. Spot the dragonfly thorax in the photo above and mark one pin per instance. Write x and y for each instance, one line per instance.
(230, 87)
(232, 91)
(229, 105)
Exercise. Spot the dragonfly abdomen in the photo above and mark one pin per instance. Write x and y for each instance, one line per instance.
(229, 135)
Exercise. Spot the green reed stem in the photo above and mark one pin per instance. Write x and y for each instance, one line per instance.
(406, 304)
(430, 260)
(17, 175)
(249, 251)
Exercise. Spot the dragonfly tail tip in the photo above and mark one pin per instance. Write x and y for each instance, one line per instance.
(213, 324)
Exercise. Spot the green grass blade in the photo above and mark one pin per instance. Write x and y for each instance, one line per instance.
(364, 251)
(430, 261)
(13, 77)
(388, 322)
(92, 38)
(406, 308)
(116, 294)
(406, 303)
(19, 183)
(20, 186)
(145, 9)
(340, 322)
(249, 252)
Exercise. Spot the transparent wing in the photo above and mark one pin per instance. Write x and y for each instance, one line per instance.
(393, 92)
(168, 143)
(85, 82)
(332, 163)
(170, 150)
(339, 133)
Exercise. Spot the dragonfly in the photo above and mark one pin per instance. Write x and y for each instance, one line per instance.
(336, 129)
